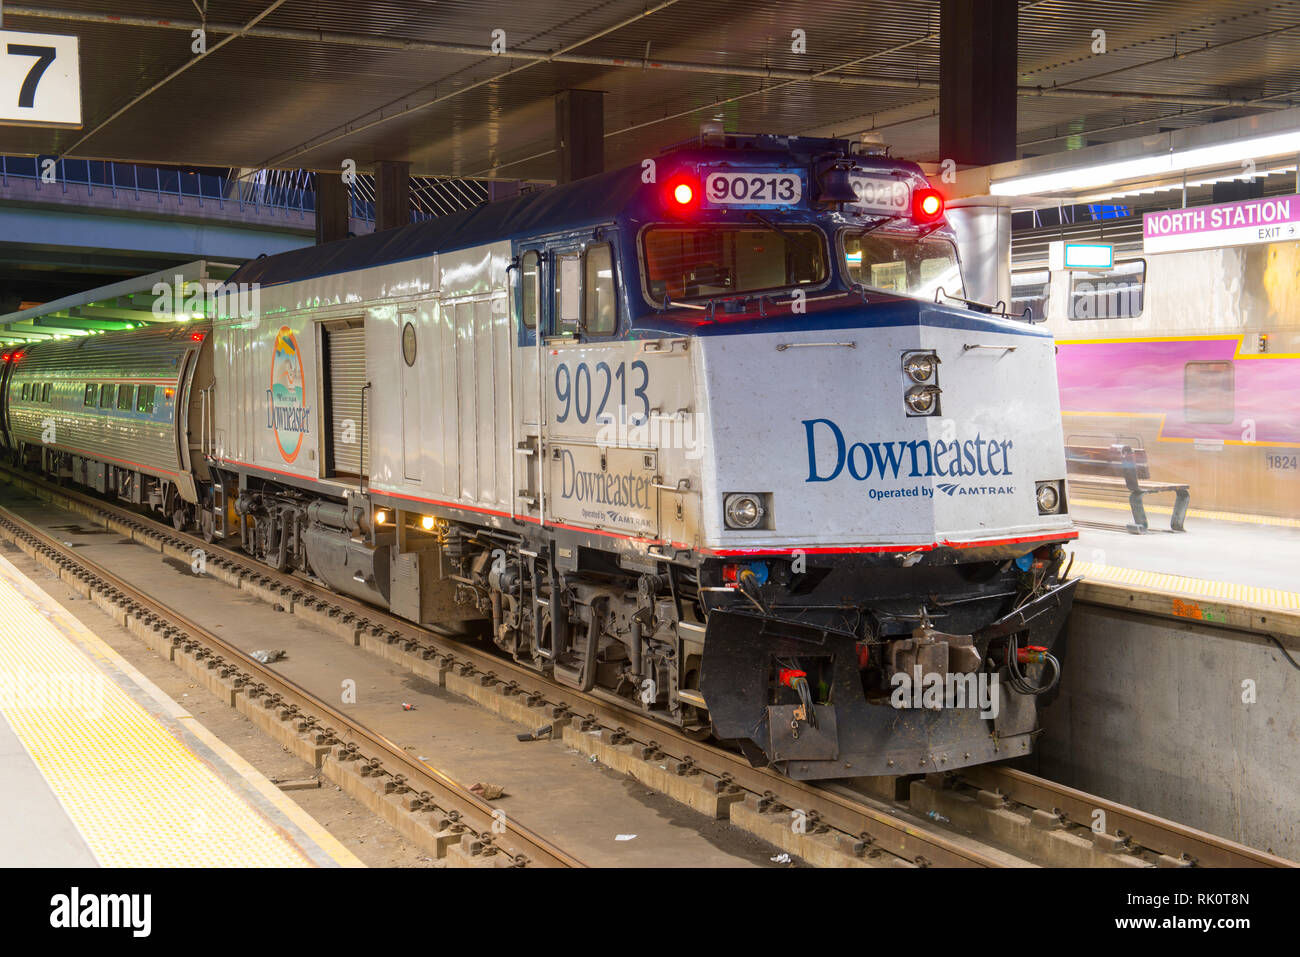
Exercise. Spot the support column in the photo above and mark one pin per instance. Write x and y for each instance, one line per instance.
(579, 133)
(331, 208)
(977, 81)
(392, 194)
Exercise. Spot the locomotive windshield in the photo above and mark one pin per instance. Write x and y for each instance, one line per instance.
(695, 262)
(898, 264)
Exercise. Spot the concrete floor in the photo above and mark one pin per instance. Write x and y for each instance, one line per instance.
(35, 831)
(587, 808)
(1264, 556)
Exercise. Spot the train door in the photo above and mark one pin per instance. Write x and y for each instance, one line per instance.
(409, 384)
(602, 453)
(343, 354)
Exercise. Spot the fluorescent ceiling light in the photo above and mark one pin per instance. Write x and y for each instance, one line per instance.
(1107, 174)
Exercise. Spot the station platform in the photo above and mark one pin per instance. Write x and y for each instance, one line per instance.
(1222, 556)
(98, 767)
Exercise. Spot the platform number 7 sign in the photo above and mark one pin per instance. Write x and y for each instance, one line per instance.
(40, 80)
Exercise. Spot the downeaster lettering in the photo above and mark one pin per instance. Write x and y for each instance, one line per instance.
(917, 459)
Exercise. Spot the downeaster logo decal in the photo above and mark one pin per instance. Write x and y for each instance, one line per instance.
(287, 413)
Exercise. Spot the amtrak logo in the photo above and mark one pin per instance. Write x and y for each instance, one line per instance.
(947, 488)
(287, 413)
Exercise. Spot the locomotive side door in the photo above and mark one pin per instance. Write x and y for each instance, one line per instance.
(601, 454)
(529, 312)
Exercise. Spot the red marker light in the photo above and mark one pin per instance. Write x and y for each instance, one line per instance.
(927, 205)
(682, 194)
(196, 336)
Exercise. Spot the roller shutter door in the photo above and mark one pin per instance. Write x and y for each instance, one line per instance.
(346, 348)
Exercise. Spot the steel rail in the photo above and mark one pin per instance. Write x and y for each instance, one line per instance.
(527, 847)
(1147, 830)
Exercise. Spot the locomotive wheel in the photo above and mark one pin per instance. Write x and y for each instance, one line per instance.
(180, 517)
(207, 525)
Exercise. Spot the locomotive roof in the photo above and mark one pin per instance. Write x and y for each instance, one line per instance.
(594, 199)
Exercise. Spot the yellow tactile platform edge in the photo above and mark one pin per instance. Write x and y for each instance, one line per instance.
(1216, 516)
(138, 796)
(1189, 587)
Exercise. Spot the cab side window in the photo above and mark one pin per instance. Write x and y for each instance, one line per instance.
(568, 288)
(600, 309)
(530, 279)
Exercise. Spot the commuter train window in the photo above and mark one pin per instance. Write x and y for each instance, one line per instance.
(1209, 392)
(697, 262)
(106, 396)
(902, 265)
(144, 399)
(600, 312)
(45, 392)
(125, 395)
(1030, 290)
(1108, 294)
(568, 287)
(530, 273)
(92, 391)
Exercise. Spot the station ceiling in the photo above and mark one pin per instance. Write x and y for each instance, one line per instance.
(311, 83)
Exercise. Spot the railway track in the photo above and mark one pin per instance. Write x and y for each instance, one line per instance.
(830, 822)
(462, 815)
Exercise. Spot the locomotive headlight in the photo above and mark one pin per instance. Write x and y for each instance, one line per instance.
(1048, 495)
(744, 510)
(922, 400)
(427, 523)
(920, 366)
(380, 516)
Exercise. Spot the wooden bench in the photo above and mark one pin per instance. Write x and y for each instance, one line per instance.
(1122, 466)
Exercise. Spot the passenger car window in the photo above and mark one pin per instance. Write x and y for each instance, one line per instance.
(106, 396)
(144, 399)
(600, 312)
(1108, 294)
(530, 273)
(125, 393)
(1209, 392)
(45, 392)
(26, 389)
(92, 390)
(1029, 290)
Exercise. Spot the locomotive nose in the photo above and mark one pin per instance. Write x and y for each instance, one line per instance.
(928, 425)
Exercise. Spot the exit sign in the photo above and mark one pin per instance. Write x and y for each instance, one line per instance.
(40, 80)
